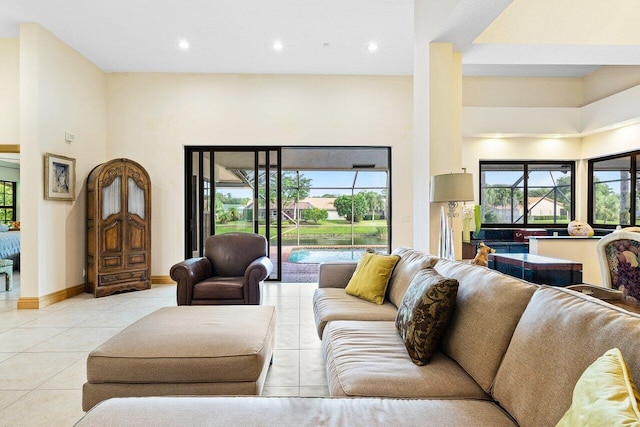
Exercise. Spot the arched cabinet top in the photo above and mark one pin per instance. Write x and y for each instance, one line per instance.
(104, 174)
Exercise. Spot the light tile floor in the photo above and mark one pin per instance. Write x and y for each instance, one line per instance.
(43, 352)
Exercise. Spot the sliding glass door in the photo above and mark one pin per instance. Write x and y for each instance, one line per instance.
(232, 189)
(313, 204)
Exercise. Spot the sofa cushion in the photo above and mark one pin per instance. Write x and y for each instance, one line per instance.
(292, 411)
(365, 358)
(488, 307)
(604, 395)
(371, 277)
(411, 261)
(424, 313)
(334, 304)
(559, 335)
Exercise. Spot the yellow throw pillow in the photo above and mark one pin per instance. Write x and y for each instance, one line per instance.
(371, 277)
(604, 395)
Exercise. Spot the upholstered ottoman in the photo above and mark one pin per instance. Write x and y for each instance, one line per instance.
(185, 350)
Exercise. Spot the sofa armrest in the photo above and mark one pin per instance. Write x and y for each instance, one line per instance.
(335, 274)
(187, 273)
(255, 273)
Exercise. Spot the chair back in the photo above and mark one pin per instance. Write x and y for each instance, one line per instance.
(618, 254)
(231, 253)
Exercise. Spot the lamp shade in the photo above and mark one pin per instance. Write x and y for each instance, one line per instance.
(452, 187)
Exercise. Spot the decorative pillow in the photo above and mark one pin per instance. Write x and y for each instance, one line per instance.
(424, 313)
(4, 227)
(604, 395)
(371, 277)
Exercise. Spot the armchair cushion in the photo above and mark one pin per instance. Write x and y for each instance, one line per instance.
(219, 288)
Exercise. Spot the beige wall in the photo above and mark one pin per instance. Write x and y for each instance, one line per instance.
(548, 91)
(609, 80)
(521, 92)
(151, 117)
(60, 91)
(445, 74)
(9, 91)
(615, 141)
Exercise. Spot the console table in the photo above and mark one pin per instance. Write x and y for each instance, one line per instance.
(538, 269)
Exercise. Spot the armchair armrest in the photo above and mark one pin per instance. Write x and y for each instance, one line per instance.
(335, 274)
(187, 273)
(255, 274)
(599, 292)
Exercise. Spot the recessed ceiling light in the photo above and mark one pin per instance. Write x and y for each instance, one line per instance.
(277, 45)
(183, 44)
(372, 46)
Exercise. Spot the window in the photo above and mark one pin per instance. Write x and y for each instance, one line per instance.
(7, 201)
(548, 187)
(613, 194)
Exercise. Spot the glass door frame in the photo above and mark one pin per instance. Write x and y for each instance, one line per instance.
(194, 192)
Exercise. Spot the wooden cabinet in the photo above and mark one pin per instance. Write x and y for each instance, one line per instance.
(118, 228)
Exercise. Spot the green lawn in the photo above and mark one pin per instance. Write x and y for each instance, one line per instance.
(327, 229)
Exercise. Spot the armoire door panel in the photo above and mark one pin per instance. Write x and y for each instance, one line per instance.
(136, 235)
(139, 258)
(112, 237)
(111, 261)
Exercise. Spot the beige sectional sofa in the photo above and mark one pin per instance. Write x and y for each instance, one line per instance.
(511, 355)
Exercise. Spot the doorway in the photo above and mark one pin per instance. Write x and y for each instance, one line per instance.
(313, 204)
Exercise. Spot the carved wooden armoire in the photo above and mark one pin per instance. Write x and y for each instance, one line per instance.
(118, 228)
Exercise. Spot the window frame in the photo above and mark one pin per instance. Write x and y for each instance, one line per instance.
(633, 190)
(5, 207)
(525, 164)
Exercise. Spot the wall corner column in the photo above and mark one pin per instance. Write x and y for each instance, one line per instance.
(445, 131)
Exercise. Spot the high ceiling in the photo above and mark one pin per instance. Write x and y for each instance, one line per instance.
(497, 37)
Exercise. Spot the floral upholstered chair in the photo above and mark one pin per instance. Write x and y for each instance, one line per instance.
(619, 256)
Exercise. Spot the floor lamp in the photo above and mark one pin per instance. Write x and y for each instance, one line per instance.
(450, 189)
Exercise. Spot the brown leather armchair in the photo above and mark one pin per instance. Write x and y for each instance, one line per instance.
(232, 271)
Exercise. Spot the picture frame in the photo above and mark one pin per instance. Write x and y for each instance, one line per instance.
(59, 177)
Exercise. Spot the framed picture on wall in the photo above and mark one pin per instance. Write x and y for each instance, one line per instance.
(59, 177)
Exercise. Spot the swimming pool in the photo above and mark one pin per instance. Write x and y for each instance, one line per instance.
(318, 255)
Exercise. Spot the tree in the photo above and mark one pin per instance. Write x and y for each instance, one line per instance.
(223, 217)
(607, 206)
(229, 199)
(504, 196)
(234, 214)
(374, 202)
(344, 204)
(315, 214)
(295, 187)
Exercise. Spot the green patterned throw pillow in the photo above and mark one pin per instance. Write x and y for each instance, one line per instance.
(424, 313)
